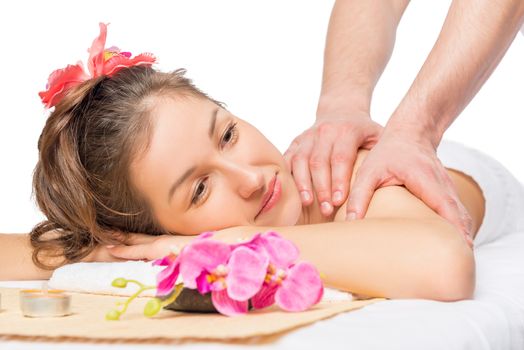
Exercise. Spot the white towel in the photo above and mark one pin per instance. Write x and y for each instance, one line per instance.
(96, 278)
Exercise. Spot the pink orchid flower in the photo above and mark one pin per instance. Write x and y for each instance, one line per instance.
(166, 279)
(232, 276)
(101, 61)
(294, 287)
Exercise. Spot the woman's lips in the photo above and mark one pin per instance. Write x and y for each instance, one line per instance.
(272, 196)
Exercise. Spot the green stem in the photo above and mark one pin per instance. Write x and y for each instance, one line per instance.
(136, 294)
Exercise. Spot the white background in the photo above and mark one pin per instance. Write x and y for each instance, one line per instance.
(263, 58)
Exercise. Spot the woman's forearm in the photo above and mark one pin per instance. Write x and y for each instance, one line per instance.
(392, 258)
(16, 259)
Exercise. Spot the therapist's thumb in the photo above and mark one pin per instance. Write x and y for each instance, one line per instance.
(361, 193)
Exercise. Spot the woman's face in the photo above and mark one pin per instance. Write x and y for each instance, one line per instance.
(206, 169)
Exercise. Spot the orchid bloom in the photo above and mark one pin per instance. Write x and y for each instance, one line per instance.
(100, 62)
(232, 276)
(294, 287)
(262, 269)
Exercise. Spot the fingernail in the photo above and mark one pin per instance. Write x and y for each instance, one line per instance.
(351, 216)
(305, 196)
(337, 196)
(110, 246)
(326, 208)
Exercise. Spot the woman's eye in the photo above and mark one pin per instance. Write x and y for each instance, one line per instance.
(231, 134)
(199, 192)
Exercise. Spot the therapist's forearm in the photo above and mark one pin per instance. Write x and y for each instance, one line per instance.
(473, 40)
(360, 39)
(16, 259)
(393, 258)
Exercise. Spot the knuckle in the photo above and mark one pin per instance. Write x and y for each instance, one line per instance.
(317, 161)
(299, 157)
(339, 158)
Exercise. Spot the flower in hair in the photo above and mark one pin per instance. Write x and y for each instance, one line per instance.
(101, 62)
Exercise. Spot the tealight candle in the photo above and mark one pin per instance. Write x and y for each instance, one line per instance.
(45, 303)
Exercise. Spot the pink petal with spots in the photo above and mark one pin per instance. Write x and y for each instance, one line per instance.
(95, 62)
(200, 255)
(265, 297)
(247, 270)
(227, 306)
(301, 289)
(282, 252)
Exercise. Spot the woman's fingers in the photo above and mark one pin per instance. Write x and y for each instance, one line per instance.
(130, 252)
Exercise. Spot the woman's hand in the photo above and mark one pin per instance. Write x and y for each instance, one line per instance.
(147, 247)
(141, 246)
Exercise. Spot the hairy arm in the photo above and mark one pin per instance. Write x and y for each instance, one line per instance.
(359, 43)
(473, 40)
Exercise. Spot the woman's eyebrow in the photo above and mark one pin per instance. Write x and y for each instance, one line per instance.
(188, 172)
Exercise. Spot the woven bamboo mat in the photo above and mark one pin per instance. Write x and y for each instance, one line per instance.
(87, 322)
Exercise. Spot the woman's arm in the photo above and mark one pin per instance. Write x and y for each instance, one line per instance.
(389, 257)
(17, 264)
(16, 261)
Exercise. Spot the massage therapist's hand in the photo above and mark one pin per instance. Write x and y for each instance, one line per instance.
(402, 158)
(322, 157)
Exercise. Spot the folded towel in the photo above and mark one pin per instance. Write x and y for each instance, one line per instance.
(96, 278)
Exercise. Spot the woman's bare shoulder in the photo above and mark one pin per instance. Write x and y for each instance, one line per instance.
(398, 202)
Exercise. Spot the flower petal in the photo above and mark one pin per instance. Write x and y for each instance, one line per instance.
(282, 252)
(301, 289)
(199, 255)
(95, 62)
(247, 270)
(203, 285)
(166, 279)
(227, 306)
(265, 296)
(60, 81)
(206, 234)
(117, 62)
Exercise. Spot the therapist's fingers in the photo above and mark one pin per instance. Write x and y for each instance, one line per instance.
(402, 158)
(343, 159)
(367, 180)
(301, 171)
(320, 167)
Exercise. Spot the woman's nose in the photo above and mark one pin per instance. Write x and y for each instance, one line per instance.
(248, 180)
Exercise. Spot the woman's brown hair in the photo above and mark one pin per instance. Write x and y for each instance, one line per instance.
(81, 181)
